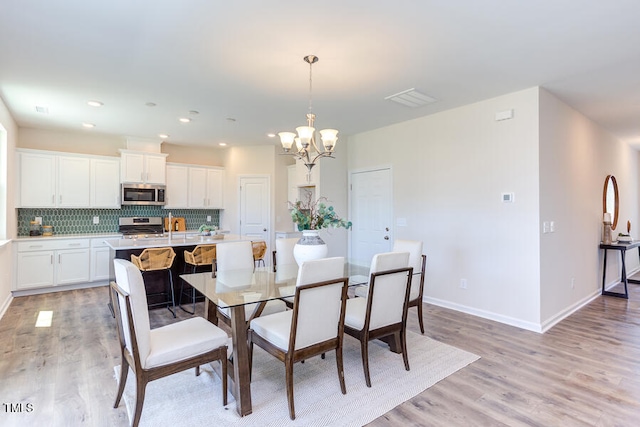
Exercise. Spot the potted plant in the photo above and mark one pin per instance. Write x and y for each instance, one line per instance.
(311, 215)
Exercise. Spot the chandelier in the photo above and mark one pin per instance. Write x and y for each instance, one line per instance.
(306, 148)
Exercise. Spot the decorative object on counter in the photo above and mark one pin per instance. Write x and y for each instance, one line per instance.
(606, 229)
(306, 139)
(626, 237)
(35, 228)
(47, 230)
(206, 229)
(310, 216)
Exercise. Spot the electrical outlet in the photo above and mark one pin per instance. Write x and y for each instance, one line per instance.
(552, 227)
(545, 227)
(39, 220)
(208, 218)
(463, 283)
(96, 220)
(573, 283)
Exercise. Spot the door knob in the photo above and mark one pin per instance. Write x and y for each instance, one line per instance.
(264, 229)
(386, 237)
(386, 229)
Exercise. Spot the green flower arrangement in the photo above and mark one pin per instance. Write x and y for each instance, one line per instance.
(315, 215)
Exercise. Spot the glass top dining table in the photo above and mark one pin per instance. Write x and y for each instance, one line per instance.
(234, 289)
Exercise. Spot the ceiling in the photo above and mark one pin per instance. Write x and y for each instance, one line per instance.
(239, 64)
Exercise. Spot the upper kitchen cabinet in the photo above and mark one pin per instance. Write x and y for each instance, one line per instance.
(47, 180)
(142, 167)
(177, 195)
(206, 188)
(56, 180)
(105, 183)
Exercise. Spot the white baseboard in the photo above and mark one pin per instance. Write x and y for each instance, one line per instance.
(38, 291)
(5, 305)
(530, 326)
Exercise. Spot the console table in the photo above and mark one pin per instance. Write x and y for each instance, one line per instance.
(622, 248)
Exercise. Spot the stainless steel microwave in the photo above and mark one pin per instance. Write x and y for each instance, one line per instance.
(143, 194)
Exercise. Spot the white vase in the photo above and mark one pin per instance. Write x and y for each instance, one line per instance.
(309, 247)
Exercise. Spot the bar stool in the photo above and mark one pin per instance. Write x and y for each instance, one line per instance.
(259, 250)
(200, 256)
(155, 260)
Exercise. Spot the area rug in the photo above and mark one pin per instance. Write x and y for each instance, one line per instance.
(186, 400)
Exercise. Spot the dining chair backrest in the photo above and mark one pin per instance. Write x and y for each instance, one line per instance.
(414, 247)
(234, 256)
(317, 309)
(284, 251)
(129, 279)
(387, 293)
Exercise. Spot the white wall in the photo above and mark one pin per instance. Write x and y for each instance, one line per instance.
(449, 172)
(575, 158)
(6, 252)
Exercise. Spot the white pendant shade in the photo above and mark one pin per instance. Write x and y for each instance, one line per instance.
(305, 133)
(329, 138)
(286, 139)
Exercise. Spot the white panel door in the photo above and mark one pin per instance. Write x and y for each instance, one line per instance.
(371, 214)
(254, 207)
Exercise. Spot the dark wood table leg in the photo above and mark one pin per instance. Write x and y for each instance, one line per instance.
(623, 278)
(241, 374)
(604, 270)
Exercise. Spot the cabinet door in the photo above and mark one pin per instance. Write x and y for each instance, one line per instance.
(303, 176)
(72, 266)
(37, 180)
(100, 264)
(197, 187)
(35, 269)
(74, 182)
(132, 167)
(155, 169)
(215, 185)
(177, 187)
(105, 183)
(292, 184)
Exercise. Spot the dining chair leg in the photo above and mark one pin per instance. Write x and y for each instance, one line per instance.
(223, 364)
(124, 371)
(289, 379)
(420, 320)
(198, 371)
(364, 345)
(140, 391)
(405, 355)
(340, 366)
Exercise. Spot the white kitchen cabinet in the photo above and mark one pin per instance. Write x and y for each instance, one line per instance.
(53, 180)
(100, 259)
(177, 195)
(44, 263)
(206, 188)
(74, 182)
(105, 183)
(142, 167)
(292, 184)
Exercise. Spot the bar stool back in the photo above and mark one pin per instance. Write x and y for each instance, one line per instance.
(259, 251)
(155, 260)
(201, 256)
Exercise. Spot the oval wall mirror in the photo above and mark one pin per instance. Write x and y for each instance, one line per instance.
(610, 201)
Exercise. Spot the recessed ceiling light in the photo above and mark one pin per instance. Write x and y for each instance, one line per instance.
(163, 135)
(222, 144)
(150, 104)
(184, 119)
(41, 109)
(271, 135)
(89, 125)
(95, 103)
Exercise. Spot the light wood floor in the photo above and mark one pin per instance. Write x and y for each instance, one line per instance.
(583, 372)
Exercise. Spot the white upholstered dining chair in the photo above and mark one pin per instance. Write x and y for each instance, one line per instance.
(314, 326)
(383, 313)
(416, 260)
(283, 254)
(156, 353)
(236, 258)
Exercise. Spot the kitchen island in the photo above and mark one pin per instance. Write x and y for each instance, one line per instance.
(123, 248)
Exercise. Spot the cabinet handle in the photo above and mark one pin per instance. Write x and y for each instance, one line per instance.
(204, 202)
(53, 199)
(51, 259)
(58, 258)
(60, 199)
(34, 246)
(74, 244)
(141, 176)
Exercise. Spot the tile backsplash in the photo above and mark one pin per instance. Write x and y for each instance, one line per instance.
(80, 221)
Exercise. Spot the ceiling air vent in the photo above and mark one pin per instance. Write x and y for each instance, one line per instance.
(43, 110)
(411, 98)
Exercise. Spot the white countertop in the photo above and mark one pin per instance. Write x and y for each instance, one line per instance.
(69, 236)
(178, 239)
